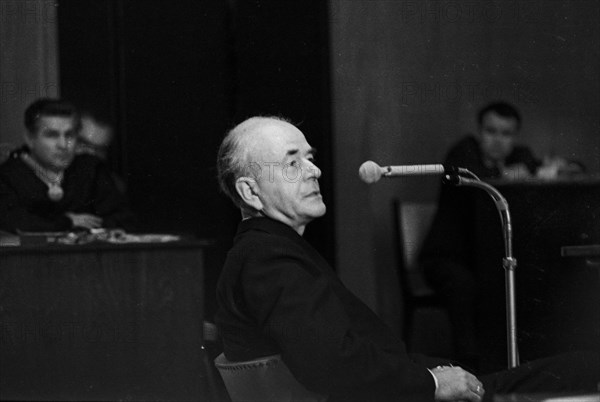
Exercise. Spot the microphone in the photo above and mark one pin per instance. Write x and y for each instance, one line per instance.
(371, 172)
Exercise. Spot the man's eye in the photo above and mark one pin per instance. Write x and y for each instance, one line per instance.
(50, 133)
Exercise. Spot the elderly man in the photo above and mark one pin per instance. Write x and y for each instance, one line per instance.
(44, 186)
(277, 295)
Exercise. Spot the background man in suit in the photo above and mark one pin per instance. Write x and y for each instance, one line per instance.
(446, 255)
(45, 186)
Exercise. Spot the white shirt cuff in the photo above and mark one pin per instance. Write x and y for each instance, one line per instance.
(434, 379)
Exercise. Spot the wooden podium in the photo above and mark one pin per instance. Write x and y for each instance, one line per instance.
(102, 322)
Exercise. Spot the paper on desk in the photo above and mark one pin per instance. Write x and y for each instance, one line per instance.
(143, 238)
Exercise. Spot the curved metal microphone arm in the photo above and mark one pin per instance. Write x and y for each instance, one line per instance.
(509, 263)
(468, 172)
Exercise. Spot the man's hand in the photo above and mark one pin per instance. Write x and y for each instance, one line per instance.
(87, 221)
(456, 384)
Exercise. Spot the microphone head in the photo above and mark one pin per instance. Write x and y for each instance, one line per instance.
(370, 172)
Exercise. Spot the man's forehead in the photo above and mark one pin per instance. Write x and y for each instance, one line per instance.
(492, 116)
(278, 139)
(55, 121)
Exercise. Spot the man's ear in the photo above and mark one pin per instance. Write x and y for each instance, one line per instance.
(247, 189)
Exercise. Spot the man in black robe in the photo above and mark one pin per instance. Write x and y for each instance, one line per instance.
(45, 186)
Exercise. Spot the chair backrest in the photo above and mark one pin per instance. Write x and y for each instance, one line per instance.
(267, 379)
(412, 221)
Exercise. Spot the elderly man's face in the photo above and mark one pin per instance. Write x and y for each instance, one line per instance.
(497, 136)
(288, 184)
(53, 143)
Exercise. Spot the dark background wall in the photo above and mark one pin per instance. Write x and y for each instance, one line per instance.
(408, 79)
(174, 76)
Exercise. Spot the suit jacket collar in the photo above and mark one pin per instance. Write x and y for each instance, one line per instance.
(270, 226)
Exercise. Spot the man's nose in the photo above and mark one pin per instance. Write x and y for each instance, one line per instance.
(64, 141)
(312, 171)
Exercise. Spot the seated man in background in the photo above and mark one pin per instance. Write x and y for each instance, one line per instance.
(44, 186)
(493, 153)
(94, 137)
(277, 295)
(447, 250)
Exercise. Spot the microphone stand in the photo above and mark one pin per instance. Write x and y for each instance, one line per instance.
(509, 263)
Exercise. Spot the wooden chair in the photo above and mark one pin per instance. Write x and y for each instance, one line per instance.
(412, 222)
(266, 379)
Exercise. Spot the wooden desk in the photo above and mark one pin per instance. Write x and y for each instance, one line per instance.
(558, 299)
(102, 322)
(547, 398)
(590, 250)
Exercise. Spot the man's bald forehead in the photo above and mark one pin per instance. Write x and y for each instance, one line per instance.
(256, 125)
(254, 133)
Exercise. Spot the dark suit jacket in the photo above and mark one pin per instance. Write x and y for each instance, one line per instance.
(88, 188)
(276, 294)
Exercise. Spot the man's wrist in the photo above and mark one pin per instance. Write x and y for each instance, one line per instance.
(439, 368)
